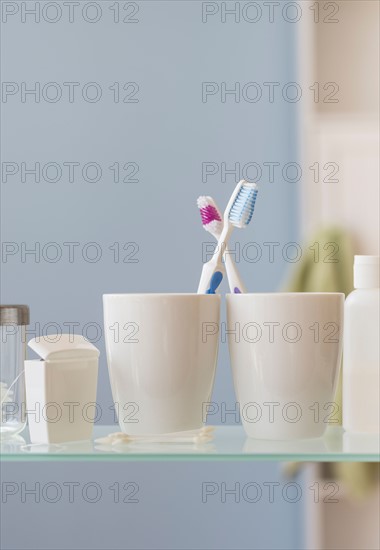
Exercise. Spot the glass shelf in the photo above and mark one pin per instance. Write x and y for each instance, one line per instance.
(228, 443)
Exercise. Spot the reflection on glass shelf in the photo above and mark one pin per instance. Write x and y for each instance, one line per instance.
(227, 443)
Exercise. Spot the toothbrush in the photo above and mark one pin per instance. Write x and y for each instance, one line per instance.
(238, 213)
(213, 223)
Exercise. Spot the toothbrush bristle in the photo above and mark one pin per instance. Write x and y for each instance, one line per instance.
(209, 214)
(208, 210)
(203, 201)
(242, 209)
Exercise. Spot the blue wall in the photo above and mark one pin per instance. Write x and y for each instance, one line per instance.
(169, 133)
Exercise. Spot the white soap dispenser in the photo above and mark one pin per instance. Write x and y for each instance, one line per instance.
(361, 368)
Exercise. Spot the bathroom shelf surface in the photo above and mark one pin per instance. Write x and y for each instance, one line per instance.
(229, 443)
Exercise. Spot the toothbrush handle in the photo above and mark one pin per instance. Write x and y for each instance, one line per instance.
(234, 280)
(212, 275)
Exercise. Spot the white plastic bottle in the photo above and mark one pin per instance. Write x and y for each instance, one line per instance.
(361, 368)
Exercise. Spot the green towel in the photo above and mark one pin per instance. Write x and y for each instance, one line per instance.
(326, 266)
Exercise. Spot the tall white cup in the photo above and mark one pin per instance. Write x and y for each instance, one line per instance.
(160, 362)
(285, 351)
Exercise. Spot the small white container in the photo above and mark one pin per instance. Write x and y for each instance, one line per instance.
(61, 388)
(361, 368)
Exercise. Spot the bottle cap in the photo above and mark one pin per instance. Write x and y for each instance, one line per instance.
(366, 271)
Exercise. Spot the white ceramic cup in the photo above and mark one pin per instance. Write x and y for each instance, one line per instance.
(161, 365)
(285, 351)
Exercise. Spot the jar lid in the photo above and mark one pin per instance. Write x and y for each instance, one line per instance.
(14, 315)
(63, 346)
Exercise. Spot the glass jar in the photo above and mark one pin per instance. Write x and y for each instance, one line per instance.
(13, 321)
